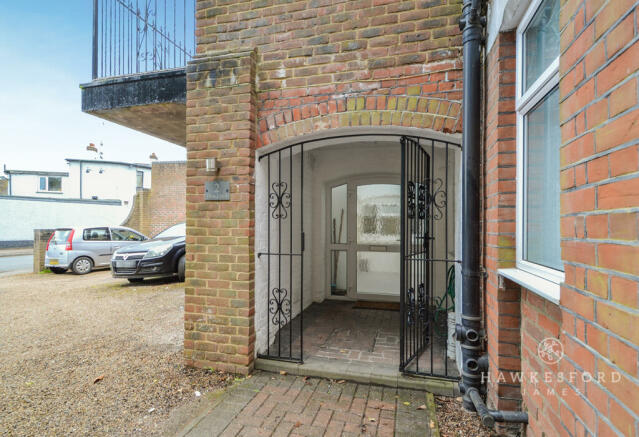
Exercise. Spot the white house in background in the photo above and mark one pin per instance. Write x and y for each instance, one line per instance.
(85, 179)
(91, 193)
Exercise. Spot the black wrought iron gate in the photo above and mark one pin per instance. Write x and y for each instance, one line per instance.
(427, 295)
(426, 267)
(285, 252)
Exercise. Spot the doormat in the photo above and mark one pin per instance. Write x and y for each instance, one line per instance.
(366, 305)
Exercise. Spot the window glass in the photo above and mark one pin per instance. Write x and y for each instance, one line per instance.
(541, 41)
(55, 183)
(541, 192)
(125, 235)
(338, 214)
(378, 214)
(378, 273)
(43, 183)
(140, 179)
(60, 236)
(96, 234)
(338, 273)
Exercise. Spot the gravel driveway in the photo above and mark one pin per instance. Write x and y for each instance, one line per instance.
(92, 355)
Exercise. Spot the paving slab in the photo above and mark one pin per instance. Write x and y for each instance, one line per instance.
(365, 373)
(272, 404)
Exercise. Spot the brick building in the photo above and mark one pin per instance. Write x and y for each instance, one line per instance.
(164, 205)
(324, 167)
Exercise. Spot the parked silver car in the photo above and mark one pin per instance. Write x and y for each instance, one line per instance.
(83, 249)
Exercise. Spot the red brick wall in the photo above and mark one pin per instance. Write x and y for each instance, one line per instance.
(541, 319)
(164, 205)
(219, 302)
(502, 298)
(334, 63)
(315, 65)
(599, 203)
(598, 315)
(168, 195)
(140, 214)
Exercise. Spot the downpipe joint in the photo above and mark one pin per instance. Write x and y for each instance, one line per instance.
(489, 417)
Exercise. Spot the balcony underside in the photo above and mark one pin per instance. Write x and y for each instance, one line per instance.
(153, 103)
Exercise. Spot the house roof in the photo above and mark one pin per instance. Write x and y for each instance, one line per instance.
(37, 173)
(101, 161)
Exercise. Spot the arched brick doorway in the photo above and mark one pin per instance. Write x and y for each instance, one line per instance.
(229, 120)
(297, 257)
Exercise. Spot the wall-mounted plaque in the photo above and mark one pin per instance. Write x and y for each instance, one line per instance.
(217, 190)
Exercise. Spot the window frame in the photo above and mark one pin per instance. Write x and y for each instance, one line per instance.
(46, 184)
(49, 184)
(139, 179)
(525, 101)
(113, 231)
(85, 230)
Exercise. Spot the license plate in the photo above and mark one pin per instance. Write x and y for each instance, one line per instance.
(54, 262)
(125, 264)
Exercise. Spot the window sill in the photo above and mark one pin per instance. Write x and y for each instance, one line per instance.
(543, 287)
(49, 192)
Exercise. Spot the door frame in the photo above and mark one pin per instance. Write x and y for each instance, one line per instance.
(351, 247)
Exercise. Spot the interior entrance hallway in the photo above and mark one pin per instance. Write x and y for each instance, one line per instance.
(355, 253)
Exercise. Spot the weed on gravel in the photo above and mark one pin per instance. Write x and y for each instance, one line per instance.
(454, 421)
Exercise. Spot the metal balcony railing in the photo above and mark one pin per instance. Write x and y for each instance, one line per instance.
(141, 36)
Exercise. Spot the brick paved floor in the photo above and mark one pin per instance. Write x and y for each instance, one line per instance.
(336, 330)
(283, 405)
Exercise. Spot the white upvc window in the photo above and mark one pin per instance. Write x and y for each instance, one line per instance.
(50, 184)
(538, 143)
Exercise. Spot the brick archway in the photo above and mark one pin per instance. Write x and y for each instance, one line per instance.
(401, 111)
(230, 113)
(428, 99)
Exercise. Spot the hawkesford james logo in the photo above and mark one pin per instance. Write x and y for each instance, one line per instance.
(550, 350)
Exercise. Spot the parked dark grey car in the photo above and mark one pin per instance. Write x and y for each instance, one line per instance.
(164, 255)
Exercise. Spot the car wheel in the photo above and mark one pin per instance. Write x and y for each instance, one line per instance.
(181, 268)
(57, 270)
(82, 265)
(135, 280)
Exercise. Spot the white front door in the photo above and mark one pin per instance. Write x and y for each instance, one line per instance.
(364, 237)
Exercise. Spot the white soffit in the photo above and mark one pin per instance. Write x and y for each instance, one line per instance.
(503, 15)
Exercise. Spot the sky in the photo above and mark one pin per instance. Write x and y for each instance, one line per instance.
(45, 54)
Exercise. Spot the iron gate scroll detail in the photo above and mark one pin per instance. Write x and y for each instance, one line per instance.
(424, 235)
(285, 253)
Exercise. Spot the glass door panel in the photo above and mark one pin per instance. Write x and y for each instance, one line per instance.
(378, 214)
(377, 241)
(378, 273)
(339, 200)
(339, 275)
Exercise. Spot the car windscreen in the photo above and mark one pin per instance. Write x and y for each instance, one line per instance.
(178, 230)
(60, 236)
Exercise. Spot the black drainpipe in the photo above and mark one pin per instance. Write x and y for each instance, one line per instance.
(468, 332)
